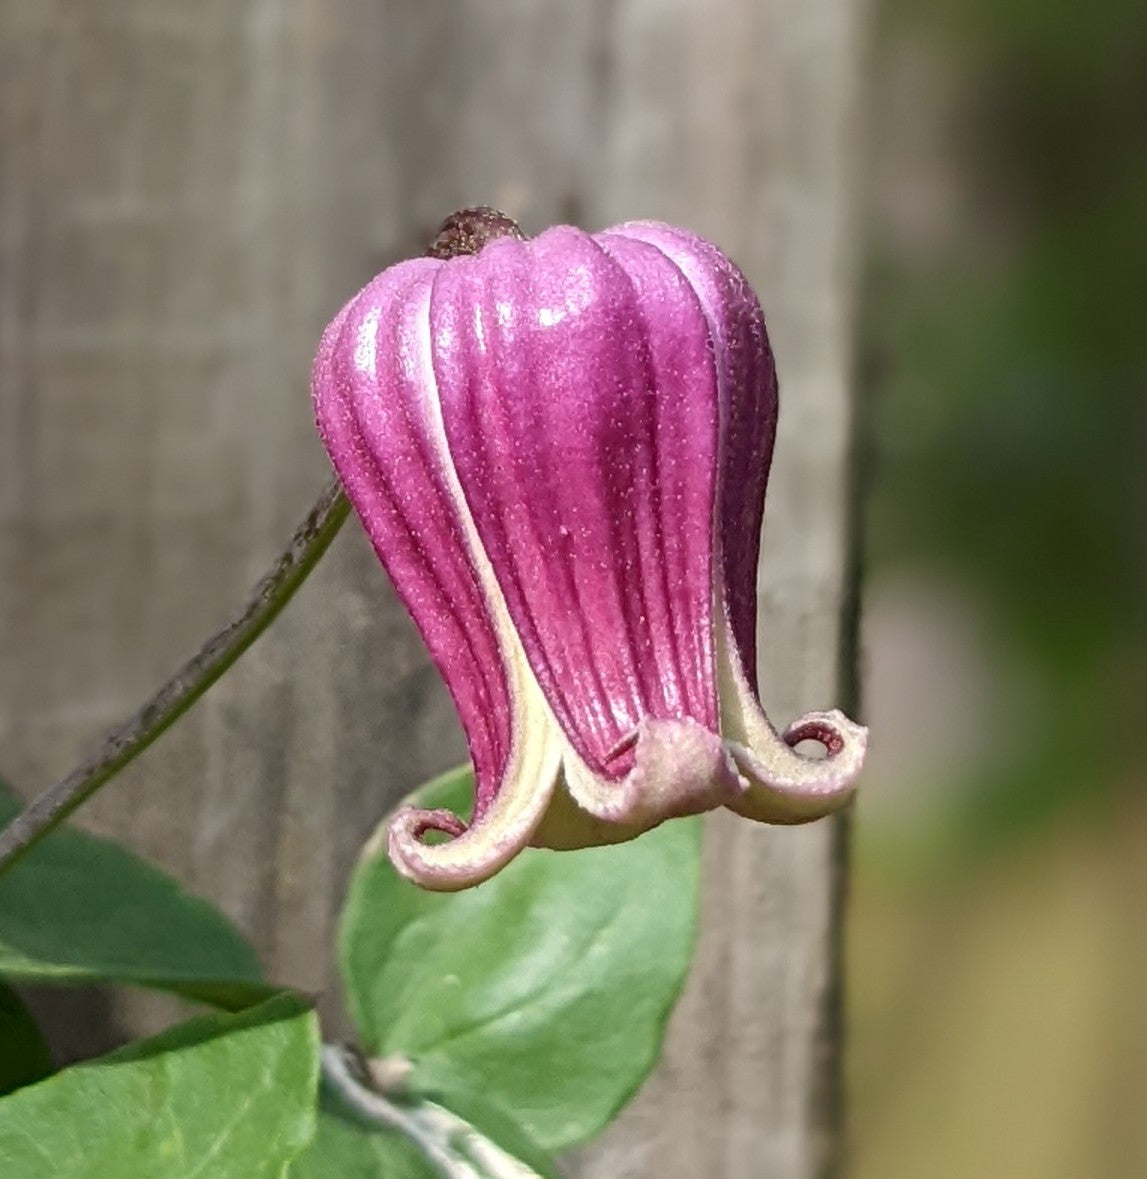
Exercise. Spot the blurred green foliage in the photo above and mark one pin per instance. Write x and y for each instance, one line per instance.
(997, 1021)
(1009, 379)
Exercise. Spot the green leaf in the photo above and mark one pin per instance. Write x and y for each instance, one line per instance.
(79, 909)
(473, 1143)
(24, 1056)
(345, 1149)
(546, 989)
(226, 1096)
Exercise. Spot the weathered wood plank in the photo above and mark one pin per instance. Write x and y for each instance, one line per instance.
(187, 192)
(735, 118)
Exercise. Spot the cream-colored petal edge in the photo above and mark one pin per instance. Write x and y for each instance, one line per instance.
(506, 826)
(782, 785)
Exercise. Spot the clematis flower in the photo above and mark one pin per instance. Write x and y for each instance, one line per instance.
(558, 448)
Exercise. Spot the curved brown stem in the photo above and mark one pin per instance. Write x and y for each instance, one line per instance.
(131, 737)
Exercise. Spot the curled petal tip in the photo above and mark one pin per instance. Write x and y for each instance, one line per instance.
(473, 852)
(469, 856)
(785, 786)
(844, 741)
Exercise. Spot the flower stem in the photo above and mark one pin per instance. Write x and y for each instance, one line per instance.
(131, 737)
(376, 1110)
(453, 1147)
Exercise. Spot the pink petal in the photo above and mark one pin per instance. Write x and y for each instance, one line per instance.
(580, 404)
(780, 784)
(747, 383)
(376, 404)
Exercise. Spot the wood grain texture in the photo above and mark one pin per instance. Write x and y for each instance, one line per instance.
(187, 193)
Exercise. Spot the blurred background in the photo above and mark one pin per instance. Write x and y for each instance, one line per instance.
(998, 936)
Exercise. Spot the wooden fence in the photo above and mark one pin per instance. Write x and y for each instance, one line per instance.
(187, 193)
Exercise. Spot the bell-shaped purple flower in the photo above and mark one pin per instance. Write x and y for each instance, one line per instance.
(559, 449)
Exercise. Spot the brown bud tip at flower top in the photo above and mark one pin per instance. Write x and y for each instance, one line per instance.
(468, 230)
